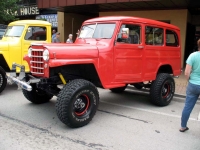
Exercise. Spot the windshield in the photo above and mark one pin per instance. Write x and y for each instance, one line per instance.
(15, 31)
(97, 31)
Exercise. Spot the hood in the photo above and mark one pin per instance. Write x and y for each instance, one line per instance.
(6, 41)
(3, 45)
(72, 51)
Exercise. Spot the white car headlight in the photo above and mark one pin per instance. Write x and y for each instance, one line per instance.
(46, 55)
(29, 52)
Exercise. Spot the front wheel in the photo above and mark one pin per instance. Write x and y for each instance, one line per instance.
(77, 103)
(3, 80)
(37, 96)
(162, 89)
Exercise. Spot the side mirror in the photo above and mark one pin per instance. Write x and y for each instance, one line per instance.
(125, 33)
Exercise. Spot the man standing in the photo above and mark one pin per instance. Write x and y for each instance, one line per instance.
(56, 39)
(69, 40)
(53, 34)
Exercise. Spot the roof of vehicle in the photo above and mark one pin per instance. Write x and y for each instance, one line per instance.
(129, 18)
(32, 22)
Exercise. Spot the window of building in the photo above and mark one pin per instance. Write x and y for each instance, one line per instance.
(154, 36)
(171, 38)
(36, 33)
(134, 34)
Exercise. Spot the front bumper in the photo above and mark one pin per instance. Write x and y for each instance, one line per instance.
(20, 83)
(19, 80)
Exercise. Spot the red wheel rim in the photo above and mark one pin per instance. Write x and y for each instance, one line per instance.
(81, 105)
(165, 90)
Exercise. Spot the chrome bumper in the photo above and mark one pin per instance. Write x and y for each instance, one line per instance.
(12, 77)
(20, 83)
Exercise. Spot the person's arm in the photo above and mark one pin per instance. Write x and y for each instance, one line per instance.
(188, 69)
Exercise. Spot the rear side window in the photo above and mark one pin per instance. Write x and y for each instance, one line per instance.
(171, 38)
(36, 33)
(153, 36)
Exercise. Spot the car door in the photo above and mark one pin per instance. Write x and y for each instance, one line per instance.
(128, 54)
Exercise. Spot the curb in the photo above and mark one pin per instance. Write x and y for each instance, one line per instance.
(181, 96)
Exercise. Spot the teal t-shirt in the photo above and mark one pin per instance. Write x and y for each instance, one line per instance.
(194, 61)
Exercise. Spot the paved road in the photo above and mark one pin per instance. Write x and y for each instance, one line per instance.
(123, 122)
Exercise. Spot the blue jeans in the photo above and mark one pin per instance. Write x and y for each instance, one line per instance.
(192, 94)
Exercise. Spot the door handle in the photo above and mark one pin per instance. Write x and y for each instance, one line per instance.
(140, 47)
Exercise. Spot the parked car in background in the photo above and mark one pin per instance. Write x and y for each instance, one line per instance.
(2, 30)
(16, 42)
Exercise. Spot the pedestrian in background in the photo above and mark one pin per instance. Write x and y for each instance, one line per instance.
(192, 73)
(57, 38)
(69, 40)
(53, 34)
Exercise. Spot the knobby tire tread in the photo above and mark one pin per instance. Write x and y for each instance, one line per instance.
(155, 90)
(3, 73)
(65, 96)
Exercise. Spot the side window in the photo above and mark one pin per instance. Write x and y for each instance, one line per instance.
(171, 38)
(36, 33)
(134, 34)
(153, 36)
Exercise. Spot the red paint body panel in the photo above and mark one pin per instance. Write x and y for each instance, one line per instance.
(118, 64)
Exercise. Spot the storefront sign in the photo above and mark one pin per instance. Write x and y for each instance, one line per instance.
(52, 18)
(24, 11)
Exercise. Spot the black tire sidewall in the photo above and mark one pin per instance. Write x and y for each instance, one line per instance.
(3, 74)
(68, 95)
(84, 119)
(156, 89)
(35, 97)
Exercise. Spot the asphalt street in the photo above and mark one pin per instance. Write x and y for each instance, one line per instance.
(125, 121)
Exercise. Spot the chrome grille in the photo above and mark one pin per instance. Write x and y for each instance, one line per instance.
(37, 64)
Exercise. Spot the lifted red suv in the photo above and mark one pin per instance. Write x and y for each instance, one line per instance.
(109, 52)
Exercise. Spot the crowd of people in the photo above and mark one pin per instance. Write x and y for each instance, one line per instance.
(56, 37)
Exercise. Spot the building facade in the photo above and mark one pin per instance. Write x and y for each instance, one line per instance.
(28, 9)
(183, 13)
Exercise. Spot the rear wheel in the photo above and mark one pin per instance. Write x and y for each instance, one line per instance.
(3, 80)
(37, 96)
(162, 89)
(119, 89)
(77, 103)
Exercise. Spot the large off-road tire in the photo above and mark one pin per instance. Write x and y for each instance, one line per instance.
(3, 80)
(162, 89)
(37, 96)
(77, 103)
(119, 89)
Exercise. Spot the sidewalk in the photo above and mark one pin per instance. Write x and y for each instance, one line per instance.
(180, 85)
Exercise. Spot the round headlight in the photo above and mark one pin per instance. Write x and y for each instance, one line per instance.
(46, 55)
(29, 52)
